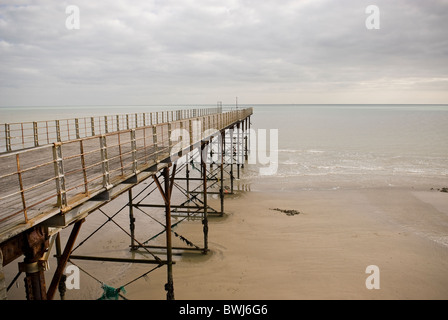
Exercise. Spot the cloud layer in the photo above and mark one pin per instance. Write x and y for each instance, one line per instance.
(187, 52)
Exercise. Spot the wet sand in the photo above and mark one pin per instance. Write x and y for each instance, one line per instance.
(260, 253)
(321, 253)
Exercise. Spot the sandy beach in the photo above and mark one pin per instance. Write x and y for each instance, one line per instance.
(321, 253)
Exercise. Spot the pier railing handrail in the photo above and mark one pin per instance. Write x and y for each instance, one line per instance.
(59, 176)
(22, 135)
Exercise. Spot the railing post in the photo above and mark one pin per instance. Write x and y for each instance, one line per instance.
(83, 165)
(22, 135)
(154, 140)
(105, 162)
(190, 130)
(58, 131)
(202, 127)
(59, 176)
(170, 142)
(106, 125)
(8, 137)
(22, 193)
(92, 125)
(35, 134)
(118, 122)
(127, 121)
(134, 152)
(77, 128)
(181, 123)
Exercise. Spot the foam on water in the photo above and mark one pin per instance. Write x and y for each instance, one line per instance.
(365, 143)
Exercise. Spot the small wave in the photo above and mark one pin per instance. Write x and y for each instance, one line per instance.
(342, 169)
(315, 151)
(409, 170)
(289, 162)
(361, 168)
(300, 151)
(443, 240)
(290, 150)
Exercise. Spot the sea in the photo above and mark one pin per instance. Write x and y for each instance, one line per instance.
(320, 146)
(357, 146)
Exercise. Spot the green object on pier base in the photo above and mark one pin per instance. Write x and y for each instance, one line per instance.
(111, 293)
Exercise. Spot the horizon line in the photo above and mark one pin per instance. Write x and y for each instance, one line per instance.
(210, 104)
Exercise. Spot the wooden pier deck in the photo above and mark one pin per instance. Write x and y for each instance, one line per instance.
(53, 177)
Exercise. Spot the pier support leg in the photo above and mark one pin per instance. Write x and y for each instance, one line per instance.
(204, 185)
(221, 189)
(169, 286)
(246, 156)
(187, 176)
(2, 279)
(62, 287)
(36, 245)
(249, 137)
(62, 260)
(232, 156)
(243, 131)
(131, 219)
(238, 145)
(34, 279)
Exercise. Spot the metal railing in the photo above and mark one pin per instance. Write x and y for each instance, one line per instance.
(22, 135)
(59, 176)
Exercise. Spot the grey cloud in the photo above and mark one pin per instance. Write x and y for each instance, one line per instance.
(166, 51)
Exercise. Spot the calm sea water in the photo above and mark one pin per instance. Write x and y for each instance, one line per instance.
(328, 146)
(335, 146)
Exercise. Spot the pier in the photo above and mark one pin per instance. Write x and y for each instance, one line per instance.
(56, 173)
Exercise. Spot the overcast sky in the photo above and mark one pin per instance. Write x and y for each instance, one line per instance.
(200, 52)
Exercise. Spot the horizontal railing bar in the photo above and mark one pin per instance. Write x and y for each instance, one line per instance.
(90, 126)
